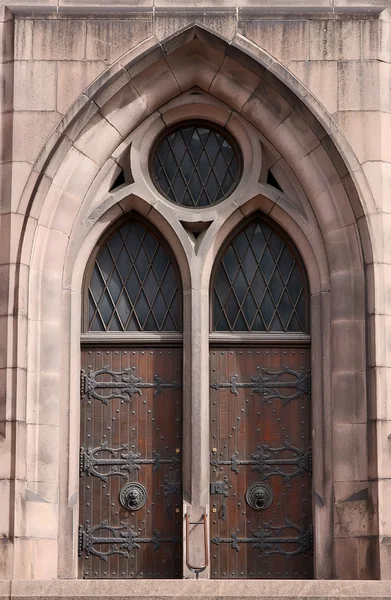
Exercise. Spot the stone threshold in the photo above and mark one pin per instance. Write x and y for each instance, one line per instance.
(192, 589)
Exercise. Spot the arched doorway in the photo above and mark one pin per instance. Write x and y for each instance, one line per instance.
(260, 413)
(131, 408)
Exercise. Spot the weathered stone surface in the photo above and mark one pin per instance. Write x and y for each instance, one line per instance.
(73, 77)
(108, 40)
(35, 86)
(59, 39)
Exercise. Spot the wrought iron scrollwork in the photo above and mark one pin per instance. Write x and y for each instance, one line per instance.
(121, 541)
(121, 461)
(269, 539)
(268, 461)
(123, 385)
(269, 383)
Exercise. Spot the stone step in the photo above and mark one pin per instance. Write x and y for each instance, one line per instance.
(192, 589)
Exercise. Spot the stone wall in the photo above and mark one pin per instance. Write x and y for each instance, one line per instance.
(71, 85)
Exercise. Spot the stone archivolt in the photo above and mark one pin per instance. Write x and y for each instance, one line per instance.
(68, 207)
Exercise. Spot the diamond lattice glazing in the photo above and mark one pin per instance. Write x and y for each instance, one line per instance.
(258, 284)
(196, 166)
(134, 286)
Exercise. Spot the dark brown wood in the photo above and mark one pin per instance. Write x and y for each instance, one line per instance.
(243, 423)
(148, 423)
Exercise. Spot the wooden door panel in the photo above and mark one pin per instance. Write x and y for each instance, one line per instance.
(131, 431)
(261, 434)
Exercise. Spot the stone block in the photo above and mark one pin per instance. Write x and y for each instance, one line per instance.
(156, 85)
(6, 87)
(266, 108)
(379, 226)
(7, 41)
(73, 78)
(98, 7)
(125, 110)
(89, 142)
(320, 78)
(108, 40)
(233, 84)
(378, 175)
(379, 340)
(349, 397)
(364, 85)
(23, 39)
(347, 295)
(355, 558)
(35, 559)
(41, 519)
(194, 65)
(285, 40)
(58, 39)
(6, 566)
(348, 345)
(175, 4)
(384, 486)
(20, 175)
(30, 132)
(355, 508)
(376, 40)
(76, 173)
(35, 85)
(350, 451)
(379, 393)
(382, 442)
(42, 443)
(367, 133)
(5, 499)
(385, 558)
(5, 134)
(344, 249)
(169, 23)
(378, 280)
(335, 39)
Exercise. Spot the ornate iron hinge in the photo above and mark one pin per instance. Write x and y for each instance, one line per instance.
(267, 461)
(265, 538)
(268, 383)
(124, 384)
(221, 488)
(122, 461)
(122, 540)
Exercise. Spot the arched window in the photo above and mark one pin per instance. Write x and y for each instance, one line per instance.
(134, 284)
(259, 284)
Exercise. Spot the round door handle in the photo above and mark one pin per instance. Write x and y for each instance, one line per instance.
(259, 496)
(133, 496)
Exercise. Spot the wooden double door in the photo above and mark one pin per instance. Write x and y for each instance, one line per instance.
(131, 469)
(260, 463)
(130, 463)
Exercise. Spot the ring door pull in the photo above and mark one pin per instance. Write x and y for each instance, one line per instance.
(193, 568)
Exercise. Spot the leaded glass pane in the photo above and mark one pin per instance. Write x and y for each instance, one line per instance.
(258, 284)
(134, 285)
(196, 166)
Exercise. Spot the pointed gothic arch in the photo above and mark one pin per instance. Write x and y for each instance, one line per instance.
(72, 178)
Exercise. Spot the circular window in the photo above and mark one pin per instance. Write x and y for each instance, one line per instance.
(196, 164)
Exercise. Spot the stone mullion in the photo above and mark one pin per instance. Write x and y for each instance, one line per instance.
(196, 348)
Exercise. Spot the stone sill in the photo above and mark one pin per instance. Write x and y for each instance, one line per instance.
(189, 589)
